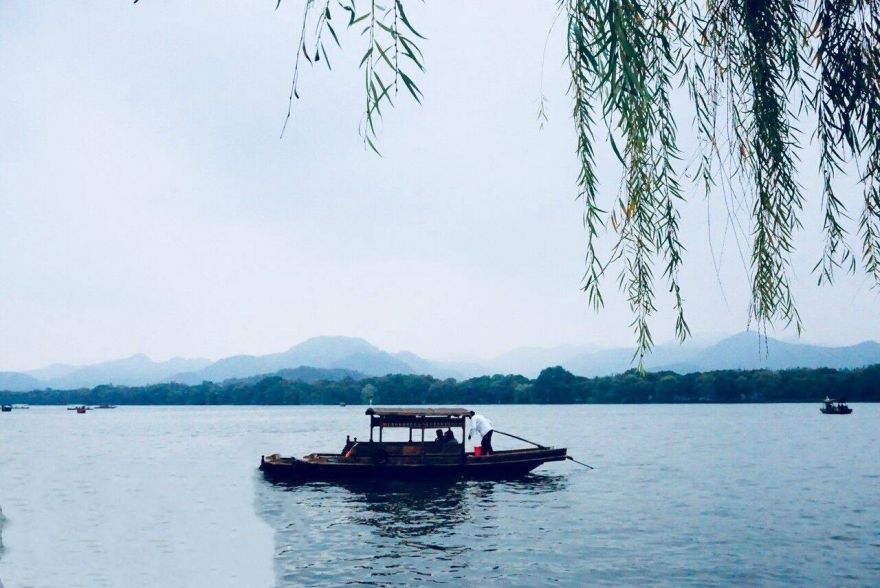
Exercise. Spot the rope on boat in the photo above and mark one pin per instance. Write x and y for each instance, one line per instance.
(539, 446)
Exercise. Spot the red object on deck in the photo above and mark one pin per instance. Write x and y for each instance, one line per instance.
(478, 451)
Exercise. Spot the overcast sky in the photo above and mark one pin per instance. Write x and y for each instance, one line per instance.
(148, 205)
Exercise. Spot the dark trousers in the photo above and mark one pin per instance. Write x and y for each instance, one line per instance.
(486, 443)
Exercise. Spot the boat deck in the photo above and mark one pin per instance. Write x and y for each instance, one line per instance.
(416, 458)
(320, 466)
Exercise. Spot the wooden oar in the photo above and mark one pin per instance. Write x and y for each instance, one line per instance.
(538, 445)
(579, 462)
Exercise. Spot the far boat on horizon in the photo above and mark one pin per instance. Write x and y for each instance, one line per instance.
(833, 406)
(79, 409)
(6, 408)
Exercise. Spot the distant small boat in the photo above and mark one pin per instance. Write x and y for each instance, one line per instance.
(78, 409)
(341, 404)
(6, 408)
(105, 406)
(20, 406)
(833, 406)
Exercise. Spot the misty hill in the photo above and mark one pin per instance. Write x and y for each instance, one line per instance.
(348, 353)
(591, 361)
(345, 353)
(56, 370)
(357, 358)
(18, 382)
(552, 386)
(744, 351)
(306, 374)
(529, 361)
(441, 369)
(136, 370)
(750, 351)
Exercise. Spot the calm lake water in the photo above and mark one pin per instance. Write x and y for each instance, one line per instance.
(681, 495)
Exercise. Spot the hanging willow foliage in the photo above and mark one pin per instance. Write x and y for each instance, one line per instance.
(391, 50)
(752, 68)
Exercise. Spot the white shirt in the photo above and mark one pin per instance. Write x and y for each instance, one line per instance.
(480, 425)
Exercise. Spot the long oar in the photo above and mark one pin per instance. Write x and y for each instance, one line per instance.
(579, 462)
(538, 445)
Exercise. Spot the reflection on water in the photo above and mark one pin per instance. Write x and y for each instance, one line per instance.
(389, 532)
(755, 495)
(401, 510)
(2, 520)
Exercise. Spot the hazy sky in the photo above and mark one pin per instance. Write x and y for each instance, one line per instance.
(148, 205)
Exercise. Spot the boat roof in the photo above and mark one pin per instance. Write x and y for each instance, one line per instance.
(419, 412)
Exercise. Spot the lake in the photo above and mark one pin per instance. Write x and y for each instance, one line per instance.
(681, 495)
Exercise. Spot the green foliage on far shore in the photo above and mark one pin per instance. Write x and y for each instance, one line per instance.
(553, 386)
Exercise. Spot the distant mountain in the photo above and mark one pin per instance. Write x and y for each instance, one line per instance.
(348, 353)
(750, 351)
(18, 382)
(529, 361)
(305, 374)
(745, 350)
(440, 369)
(587, 361)
(340, 357)
(136, 370)
(56, 370)
(321, 352)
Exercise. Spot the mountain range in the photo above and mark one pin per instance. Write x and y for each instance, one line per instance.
(743, 351)
(326, 356)
(335, 358)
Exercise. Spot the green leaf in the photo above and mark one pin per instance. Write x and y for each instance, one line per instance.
(411, 86)
(373, 146)
(405, 20)
(333, 34)
(350, 10)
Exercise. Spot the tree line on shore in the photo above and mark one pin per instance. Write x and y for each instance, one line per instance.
(554, 385)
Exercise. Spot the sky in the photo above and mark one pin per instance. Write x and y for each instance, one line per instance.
(148, 204)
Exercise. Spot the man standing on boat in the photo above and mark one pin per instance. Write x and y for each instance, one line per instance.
(483, 427)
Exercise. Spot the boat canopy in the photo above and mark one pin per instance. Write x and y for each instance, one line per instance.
(420, 412)
(417, 418)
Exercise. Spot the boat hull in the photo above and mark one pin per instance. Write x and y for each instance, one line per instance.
(501, 465)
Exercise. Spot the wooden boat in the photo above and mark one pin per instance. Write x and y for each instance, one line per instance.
(78, 409)
(413, 459)
(6, 408)
(833, 406)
